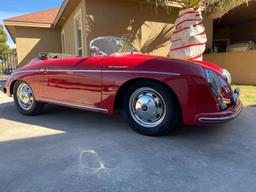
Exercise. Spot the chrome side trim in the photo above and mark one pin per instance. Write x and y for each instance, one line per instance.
(118, 67)
(67, 104)
(73, 71)
(27, 71)
(221, 119)
(103, 71)
(141, 72)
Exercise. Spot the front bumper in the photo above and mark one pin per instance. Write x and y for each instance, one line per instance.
(220, 117)
(223, 116)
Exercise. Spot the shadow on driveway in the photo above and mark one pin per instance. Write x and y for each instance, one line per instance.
(71, 120)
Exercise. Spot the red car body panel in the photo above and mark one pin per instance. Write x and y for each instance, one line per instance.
(93, 82)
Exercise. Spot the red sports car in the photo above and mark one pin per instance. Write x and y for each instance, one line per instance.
(155, 93)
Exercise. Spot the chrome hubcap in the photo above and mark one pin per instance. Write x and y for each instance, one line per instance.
(25, 96)
(147, 107)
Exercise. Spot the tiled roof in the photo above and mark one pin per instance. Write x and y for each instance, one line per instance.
(46, 17)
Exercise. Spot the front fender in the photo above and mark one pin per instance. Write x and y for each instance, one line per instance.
(194, 95)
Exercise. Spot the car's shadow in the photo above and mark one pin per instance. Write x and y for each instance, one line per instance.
(72, 120)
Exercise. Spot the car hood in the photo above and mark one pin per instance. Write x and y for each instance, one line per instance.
(209, 65)
(204, 64)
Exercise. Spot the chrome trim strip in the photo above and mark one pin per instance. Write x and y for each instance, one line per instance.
(27, 71)
(221, 119)
(73, 71)
(67, 104)
(117, 67)
(103, 71)
(141, 72)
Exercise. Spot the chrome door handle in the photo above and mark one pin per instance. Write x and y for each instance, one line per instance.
(43, 70)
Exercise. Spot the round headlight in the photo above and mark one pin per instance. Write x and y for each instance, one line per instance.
(214, 81)
(227, 75)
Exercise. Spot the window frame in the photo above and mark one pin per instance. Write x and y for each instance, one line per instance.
(63, 42)
(77, 16)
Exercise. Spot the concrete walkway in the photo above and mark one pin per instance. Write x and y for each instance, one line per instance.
(71, 150)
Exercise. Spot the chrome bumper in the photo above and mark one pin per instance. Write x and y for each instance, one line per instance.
(238, 110)
(235, 97)
(229, 114)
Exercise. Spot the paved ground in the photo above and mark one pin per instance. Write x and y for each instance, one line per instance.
(71, 150)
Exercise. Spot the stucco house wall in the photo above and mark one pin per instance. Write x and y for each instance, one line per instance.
(147, 28)
(69, 32)
(240, 64)
(30, 41)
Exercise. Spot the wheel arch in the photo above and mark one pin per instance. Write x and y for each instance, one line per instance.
(122, 90)
(12, 86)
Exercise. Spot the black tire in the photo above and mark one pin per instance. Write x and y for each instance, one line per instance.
(170, 118)
(35, 107)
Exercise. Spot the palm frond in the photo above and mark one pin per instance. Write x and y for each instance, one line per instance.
(218, 8)
(215, 8)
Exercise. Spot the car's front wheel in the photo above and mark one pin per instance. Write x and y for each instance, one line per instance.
(25, 100)
(150, 108)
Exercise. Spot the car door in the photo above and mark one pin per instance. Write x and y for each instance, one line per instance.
(74, 81)
(86, 82)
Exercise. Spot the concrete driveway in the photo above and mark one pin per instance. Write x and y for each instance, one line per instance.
(71, 150)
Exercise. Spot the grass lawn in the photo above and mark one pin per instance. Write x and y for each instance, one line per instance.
(248, 94)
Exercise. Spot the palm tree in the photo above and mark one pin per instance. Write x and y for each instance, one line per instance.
(215, 8)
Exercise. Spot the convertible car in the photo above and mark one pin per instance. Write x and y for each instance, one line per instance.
(155, 93)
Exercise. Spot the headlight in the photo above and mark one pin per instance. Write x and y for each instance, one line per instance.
(227, 75)
(214, 81)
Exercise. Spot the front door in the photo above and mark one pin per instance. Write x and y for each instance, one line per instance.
(74, 81)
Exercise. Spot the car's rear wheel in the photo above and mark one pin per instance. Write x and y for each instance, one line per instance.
(25, 100)
(150, 108)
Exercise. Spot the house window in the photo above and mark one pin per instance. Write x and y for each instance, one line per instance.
(79, 34)
(63, 42)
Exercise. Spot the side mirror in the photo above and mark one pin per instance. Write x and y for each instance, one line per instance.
(95, 51)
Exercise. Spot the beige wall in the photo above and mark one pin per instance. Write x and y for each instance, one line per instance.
(241, 65)
(30, 41)
(148, 29)
(69, 30)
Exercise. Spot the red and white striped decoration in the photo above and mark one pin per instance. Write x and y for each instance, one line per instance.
(189, 38)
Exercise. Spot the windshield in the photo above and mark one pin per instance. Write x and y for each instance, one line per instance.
(112, 45)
